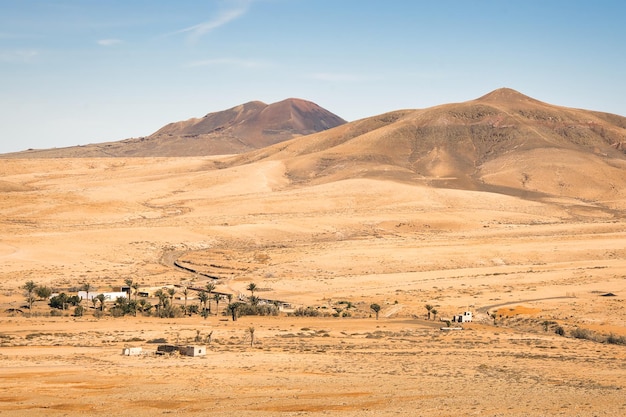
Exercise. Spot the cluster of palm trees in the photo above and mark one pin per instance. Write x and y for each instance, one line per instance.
(205, 296)
(164, 308)
(34, 292)
(431, 311)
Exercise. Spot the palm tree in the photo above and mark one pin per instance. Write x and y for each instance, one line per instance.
(233, 309)
(252, 288)
(29, 287)
(203, 297)
(186, 294)
(135, 286)
(217, 297)
(162, 296)
(101, 298)
(434, 311)
(376, 309)
(87, 287)
(144, 306)
(129, 284)
(171, 292)
(210, 287)
(429, 308)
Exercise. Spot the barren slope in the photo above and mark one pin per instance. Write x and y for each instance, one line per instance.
(242, 128)
(504, 142)
(336, 222)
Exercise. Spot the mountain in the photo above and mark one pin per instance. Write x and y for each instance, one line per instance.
(253, 125)
(240, 129)
(503, 141)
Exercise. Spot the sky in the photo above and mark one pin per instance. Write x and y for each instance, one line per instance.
(74, 72)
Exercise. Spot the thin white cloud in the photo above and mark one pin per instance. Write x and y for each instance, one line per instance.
(237, 9)
(235, 62)
(109, 42)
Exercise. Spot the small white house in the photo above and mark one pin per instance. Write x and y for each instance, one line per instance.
(466, 317)
(192, 350)
(132, 351)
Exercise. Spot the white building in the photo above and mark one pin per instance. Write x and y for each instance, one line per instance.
(132, 351)
(108, 296)
(466, 317)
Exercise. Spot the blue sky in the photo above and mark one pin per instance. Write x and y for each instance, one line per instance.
(78, 72)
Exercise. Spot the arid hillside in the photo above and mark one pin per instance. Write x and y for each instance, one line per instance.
(503, 142)
(240, 129)
(367, 235)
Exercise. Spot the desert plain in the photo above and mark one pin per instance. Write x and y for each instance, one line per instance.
(537, 265)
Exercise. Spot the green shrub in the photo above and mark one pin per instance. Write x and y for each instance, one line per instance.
(579, 333)
(307, 312)
(62, 301)
(257, 310)
(616, 340)
(79, 311)
(170, 311)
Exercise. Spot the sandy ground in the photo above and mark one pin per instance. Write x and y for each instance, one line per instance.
(363, 241)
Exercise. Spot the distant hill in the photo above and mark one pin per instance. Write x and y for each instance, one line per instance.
(504, 142)
(240, 129)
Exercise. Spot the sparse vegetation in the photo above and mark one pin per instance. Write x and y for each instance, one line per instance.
(86, 287)
(100, 299)
(64, 301)
(252, 288)
(308, 312)
(257, 310)
(123, 306)
(204, 298)
(30, 287)
(612, 339)
(376, 309)
(429, 309)
(580, 333)
(385, 243)
(210, 287)
(233, 309)
(43, 292)
(79, 311)
(217, 298)
(616, 340)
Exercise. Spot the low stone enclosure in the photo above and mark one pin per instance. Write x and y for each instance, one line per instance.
(190, 350)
